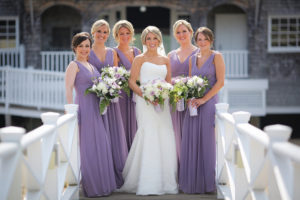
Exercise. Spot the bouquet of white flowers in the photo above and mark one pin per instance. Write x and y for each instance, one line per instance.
(156, 91)
(179, 93)
(119, 74)
(196, 88)
(107, 89)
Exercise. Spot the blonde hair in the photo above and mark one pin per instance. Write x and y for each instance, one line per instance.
(99, 23)
(151, 29)
(182, 22)
(208, 34)
(120, 24)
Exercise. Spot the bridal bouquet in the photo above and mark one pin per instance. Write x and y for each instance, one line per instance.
(107, 89)
(179, 93)
(156, 91)
(119, 74)
(196, 88)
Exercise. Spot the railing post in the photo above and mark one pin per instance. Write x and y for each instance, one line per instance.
(74, 157)
(278, 132)
(220, 108)
(241, 117)
(11, 134)
(50, 118)
(71, 108)
(13, 187)
(239, 183)
(75, 153)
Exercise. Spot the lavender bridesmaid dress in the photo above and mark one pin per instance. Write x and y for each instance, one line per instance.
(179, 69)
(198, 145)
(113, 122)
(96, 167)
(127, 106)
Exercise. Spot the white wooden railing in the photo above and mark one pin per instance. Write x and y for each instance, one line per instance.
(32, 88)
(255, 164)
(44, 163)
(56, 60)
(14, 57)
(236, 62)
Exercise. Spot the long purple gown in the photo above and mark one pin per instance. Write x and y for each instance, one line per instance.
(127, 106)
(198, 146)
(179, 69)
(98, 178)
(113, 122)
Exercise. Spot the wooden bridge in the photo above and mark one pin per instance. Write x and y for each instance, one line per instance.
(251, 163)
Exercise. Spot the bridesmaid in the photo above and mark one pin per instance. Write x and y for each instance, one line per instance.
(123, 33)
(102, 56)
(198, 146)
(96, 167)
(179, 58)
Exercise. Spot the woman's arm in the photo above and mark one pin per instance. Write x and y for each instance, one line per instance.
(190, 66)
(70, 76)
(169, 72)
(220, 75)
(134, 75)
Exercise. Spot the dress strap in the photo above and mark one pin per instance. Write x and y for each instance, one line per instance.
(135, 51)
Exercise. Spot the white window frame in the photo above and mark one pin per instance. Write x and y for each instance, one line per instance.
(8, 18)
(284, 49)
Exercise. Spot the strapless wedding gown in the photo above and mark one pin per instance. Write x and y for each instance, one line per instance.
(151, 166)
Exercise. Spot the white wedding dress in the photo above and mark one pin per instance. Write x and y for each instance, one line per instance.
(151, 166)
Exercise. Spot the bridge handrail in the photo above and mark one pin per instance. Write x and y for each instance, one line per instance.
(44, 163)
(254, 164)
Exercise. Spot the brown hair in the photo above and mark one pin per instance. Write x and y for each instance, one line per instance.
(208, 34)
(80, 37)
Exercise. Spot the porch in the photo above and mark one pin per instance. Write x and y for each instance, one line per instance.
(44, 88)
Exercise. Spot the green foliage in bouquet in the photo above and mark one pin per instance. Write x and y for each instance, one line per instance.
(179, 91)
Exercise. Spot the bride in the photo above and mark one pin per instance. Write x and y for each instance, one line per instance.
(151, 166)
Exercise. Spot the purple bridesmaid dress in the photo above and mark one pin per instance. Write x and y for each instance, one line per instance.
(179, 69)
(127, 106)
(198, 145)
(98, 178)
(113, 122)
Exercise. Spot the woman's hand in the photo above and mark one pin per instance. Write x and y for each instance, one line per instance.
(197, 102)
(155, 103)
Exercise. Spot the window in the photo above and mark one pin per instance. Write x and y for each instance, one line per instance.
(61, 38)
(284, 34)
(9, 32)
